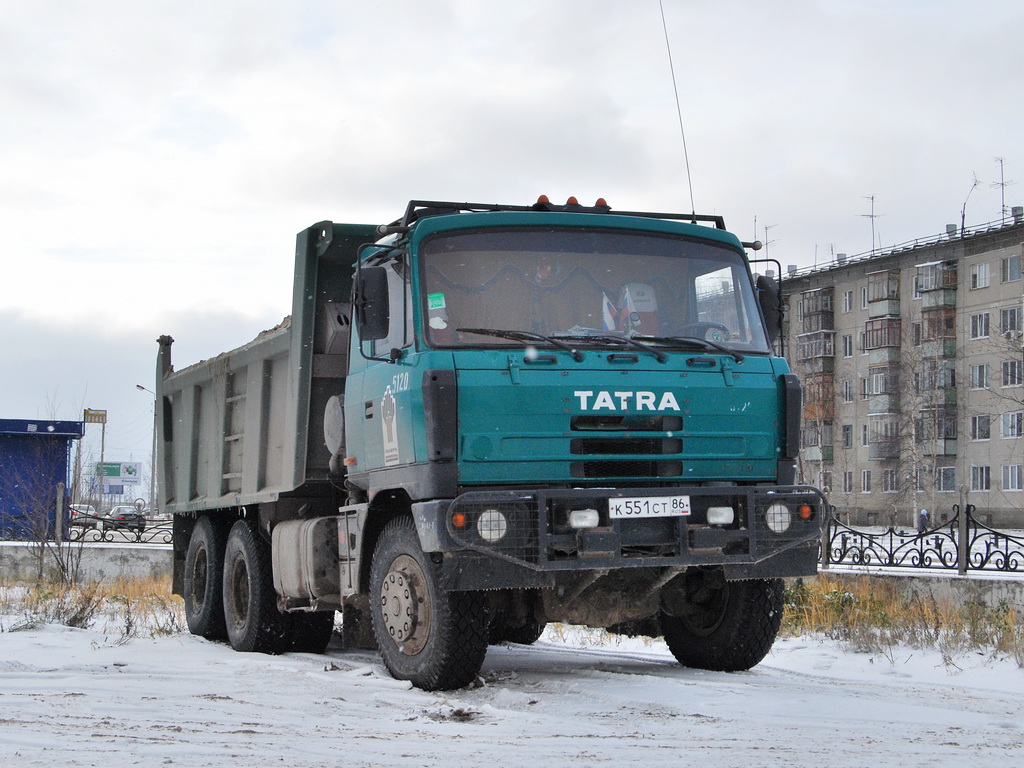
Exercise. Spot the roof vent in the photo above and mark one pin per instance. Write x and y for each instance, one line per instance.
(1018, 213)
(951, 230)
(841, 258)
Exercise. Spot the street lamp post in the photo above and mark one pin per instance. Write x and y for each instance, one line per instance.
(152, 453)
(94, 416)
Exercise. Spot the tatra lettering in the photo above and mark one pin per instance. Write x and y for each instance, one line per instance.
(625, 401)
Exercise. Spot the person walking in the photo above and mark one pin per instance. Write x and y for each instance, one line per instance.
(922, 521)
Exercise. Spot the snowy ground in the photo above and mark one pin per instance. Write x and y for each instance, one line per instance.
(71, 697)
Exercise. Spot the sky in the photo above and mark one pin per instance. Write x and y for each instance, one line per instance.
(157, 158)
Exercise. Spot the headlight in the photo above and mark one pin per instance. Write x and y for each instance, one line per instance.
(492, 525)
(721, 515)
(584, 518)
(778, 518)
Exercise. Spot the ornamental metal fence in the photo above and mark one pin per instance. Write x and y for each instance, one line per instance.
(157, 533)
(963, 544)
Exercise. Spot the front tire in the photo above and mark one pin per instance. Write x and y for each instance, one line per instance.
(434, 638)
(726, 626)
(204, 568)
(250, 604)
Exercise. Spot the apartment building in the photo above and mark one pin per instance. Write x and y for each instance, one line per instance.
(913, 375)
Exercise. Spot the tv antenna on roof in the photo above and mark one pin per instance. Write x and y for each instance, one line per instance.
(1002, 184)
(871, 216)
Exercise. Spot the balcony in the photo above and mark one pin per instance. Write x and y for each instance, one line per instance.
(881, 333)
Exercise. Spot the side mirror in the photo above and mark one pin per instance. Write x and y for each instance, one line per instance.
(770, 298)
(371, 303)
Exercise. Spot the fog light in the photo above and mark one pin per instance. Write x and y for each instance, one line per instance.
(805, 512)
(584, 518)
(721, 515)
(491, 525)
(778, 518)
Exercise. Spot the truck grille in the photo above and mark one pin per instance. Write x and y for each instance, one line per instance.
(620, 440)
(626, 422)
(626, 446)
(592, 469)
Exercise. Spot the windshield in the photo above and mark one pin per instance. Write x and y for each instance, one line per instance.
(585, 282)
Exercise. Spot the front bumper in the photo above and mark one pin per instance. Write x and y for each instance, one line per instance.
(535, 533)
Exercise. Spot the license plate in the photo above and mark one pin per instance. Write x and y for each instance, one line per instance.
(648, 506)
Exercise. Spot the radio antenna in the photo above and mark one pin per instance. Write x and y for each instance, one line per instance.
(679, 109)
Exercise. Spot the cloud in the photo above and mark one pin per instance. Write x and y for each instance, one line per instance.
(159, 157)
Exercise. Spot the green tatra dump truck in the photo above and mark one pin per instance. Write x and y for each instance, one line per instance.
(482, 418)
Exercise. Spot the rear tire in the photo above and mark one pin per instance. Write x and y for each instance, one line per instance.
(500, 632)
(311, 632)
(204, 568)
(250, 604)
(726, 627)
(525, 634)
(434, 638)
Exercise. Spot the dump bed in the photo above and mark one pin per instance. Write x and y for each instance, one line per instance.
(237, 429)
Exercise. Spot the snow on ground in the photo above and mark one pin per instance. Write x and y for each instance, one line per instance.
(71, 697)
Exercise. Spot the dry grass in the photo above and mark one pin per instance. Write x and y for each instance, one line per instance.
(877, 615)
(868, 615)
(126, 608)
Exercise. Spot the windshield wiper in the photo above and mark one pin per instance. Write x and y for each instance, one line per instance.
(693, 340)
(615, 338)
(525, 336)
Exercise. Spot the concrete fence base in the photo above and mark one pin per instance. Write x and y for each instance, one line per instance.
(19, 561)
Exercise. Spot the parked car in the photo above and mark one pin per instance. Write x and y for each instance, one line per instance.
(124, 517)
(83, 516)
(155, 517)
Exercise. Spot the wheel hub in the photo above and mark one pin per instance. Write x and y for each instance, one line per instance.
(404, 605)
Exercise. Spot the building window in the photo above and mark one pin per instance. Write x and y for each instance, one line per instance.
(847, 346)
(979, 276)
(979, 325)
(981, 479)
(825, 481)
(864, 297)
(848, 391)
(865, 481)
(938, 374)
(847, 435)
(890, 481)
(1013, 373)
(1009, 320)
(979, 376)
(918, 334)
(980, 427)
(848, 301)
(1012, 424)
(847, 482)
(864, 434)
(945, 478)
(810, 438)
(919, 478)
(1011, 477)
(1009, 269)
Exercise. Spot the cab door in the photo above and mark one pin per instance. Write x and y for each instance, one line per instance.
(378, 410)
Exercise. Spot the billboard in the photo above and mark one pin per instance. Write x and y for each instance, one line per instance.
(120, 472)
